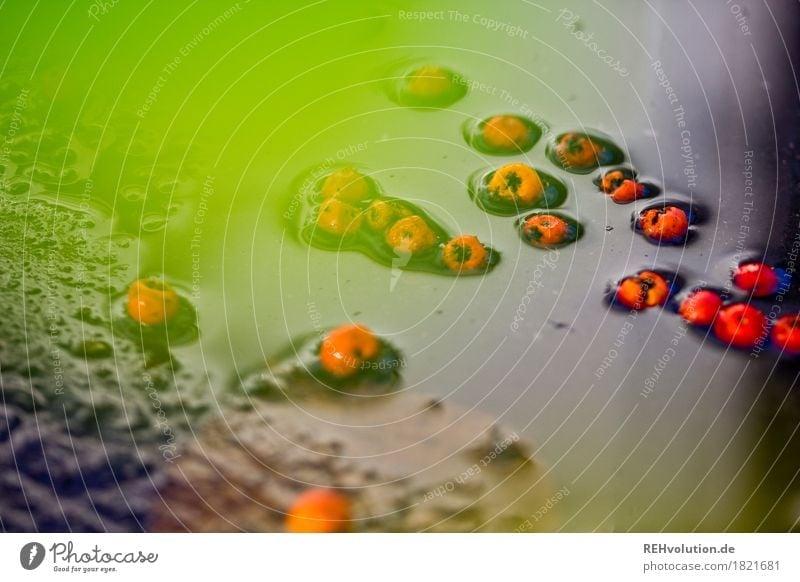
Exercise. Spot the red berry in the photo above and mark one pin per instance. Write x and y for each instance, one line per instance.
(628, 191)
(740, 325)
(701, 307)
(786, 333)
(756, 278)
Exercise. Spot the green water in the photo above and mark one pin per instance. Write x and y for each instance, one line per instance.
(180, 128)
(186, 125)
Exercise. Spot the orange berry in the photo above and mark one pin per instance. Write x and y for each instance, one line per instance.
(429, 82)
(152, 302)
(669, 224)
(464, 253)
(628, 191)
(380, 214)
(345, 348)
(411, 234)
(647, 289)
(506, 132)
(318, 511)
(347, 184)
(337, 217)
(612, 180)
(577, 150)
(545, 230)
(430, 86)
(517, 183)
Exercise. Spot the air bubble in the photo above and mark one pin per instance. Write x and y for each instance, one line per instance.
(153, 223)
